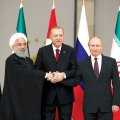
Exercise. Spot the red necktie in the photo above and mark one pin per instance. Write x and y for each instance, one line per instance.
(57, 55)
(96, 67)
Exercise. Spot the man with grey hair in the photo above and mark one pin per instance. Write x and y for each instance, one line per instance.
(18, 44)
(57, 62)
(21, 99)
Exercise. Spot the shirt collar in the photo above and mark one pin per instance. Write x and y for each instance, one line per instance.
(99, 57)
(54, 48)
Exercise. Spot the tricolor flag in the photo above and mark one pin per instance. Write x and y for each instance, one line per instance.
(82, 51)
(52, 23)
(115, 52)
(21, 27)
(21, 21)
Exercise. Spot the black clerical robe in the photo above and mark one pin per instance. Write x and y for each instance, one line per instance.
(22, 92)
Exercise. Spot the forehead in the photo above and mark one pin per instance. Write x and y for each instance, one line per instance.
(20, 40)
(54, 31)
(95, 41)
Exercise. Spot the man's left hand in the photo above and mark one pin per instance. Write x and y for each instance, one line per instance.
(115, 108)
(57, 77)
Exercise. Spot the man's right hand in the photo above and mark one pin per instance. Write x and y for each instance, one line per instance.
(49, 76)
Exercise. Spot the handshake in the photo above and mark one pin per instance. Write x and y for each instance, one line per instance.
(55, 77)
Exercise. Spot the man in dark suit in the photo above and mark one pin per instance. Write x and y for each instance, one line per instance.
(97, 71)
(56, 67)
(0, 93)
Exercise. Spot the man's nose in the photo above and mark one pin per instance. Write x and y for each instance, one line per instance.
(95, 47)
(23, 46)
(58, 37)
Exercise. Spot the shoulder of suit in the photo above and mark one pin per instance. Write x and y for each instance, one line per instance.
(45, 47)
(67, 46)
(107, 57)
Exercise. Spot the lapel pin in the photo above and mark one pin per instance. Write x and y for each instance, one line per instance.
(64, 52)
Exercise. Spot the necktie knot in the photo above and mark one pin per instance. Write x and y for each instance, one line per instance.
(95, 59)
(57, 50)
(57, 54)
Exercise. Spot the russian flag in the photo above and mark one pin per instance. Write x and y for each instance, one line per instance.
(82, 51)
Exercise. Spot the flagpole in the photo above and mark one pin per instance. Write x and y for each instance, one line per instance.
(53, 3)
(83, 2)
(21, 2)
(28, 49)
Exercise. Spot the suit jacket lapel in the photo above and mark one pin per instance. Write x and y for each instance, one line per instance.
(62, 55)
(103, 64)
(90, 63)
(91, 67)
(51, 55)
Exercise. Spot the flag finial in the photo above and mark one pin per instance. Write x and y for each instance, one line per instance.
(83, 2)
(54, 3)
(21, 1)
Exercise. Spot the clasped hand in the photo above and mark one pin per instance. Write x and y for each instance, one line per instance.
(55, 77)
(115, 108)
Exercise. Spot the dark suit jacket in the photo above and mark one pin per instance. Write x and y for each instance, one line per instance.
(97, 92)
(46, 62)
(0, 93)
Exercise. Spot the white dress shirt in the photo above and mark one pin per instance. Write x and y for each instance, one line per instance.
(54, 49)
(99, 59)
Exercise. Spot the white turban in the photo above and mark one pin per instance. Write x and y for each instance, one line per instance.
(16, 36)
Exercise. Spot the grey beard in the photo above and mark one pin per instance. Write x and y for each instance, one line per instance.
(21, 53)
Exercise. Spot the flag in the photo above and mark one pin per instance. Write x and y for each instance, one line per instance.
(21, 27)
(82, 51)
(115, 52)
(21, 21)
(52, 23)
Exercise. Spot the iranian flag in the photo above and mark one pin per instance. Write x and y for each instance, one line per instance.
(21, 27)
(115, 52)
